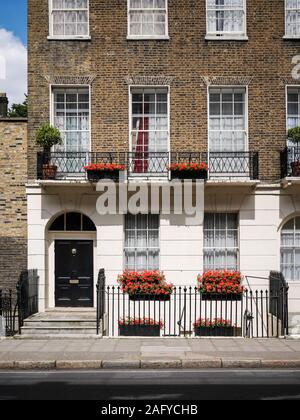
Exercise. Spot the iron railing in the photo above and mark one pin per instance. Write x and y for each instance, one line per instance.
(152, 164)
(100, 300)
(288, 158)
(255, 314)
(7, 318)
(27, 296)
(279, 287)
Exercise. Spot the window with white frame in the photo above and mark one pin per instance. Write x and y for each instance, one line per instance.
(220, 241)
(293, 107)
(292, 18)
(71, 115)
(141, 250)
(69, 18)
(226, 17)
(290, 249)
(149, 128)
(147, 18)
(227, 120)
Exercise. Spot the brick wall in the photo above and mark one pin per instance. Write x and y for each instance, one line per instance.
(110, 59)
(13, 210)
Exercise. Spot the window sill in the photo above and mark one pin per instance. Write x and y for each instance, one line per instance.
(69, 38)
(226, 38)
(148, 38)
(291, 38)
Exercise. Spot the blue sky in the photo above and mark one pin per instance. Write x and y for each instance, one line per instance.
(13, 49)
(13, 17)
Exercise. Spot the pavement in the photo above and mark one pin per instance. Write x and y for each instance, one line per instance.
(149, 353)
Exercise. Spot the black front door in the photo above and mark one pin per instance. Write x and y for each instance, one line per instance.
(74, 282)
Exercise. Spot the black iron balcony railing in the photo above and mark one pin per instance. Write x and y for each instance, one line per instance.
(290, 161)
(224, 165)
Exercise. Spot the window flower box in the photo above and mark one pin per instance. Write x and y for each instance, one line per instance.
(145, 286)
(96, 172)
(214, 328)
(221, 285)
(188, 171)
(224, 297)
(149, 297)
(137, 327)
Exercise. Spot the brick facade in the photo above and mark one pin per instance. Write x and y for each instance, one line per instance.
(13, 207)
(187, 61)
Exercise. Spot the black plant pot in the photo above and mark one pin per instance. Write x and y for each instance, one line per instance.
(295, 168)
(95, 176)
(215, 331)
(188, 174)
(139, 330)
(149, 297)
(229, 297)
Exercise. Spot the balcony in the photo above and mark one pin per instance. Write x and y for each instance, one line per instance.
(290, 162)
(148, 165)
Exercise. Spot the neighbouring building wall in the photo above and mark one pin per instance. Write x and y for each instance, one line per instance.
(13, 208)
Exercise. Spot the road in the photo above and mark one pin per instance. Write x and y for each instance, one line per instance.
(151, 385)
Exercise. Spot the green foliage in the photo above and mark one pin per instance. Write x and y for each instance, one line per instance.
(18, 110)
(48, 136)
(294, 134)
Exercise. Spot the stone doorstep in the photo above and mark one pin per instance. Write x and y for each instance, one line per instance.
(151, 364)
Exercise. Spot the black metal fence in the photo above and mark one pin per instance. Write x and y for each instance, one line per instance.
(289, 158)
(255, 314)
(100, 301)
(27, 296)
(279, 287)
(151, 164)
(7, 318)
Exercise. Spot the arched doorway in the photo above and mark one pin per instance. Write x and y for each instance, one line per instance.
(72, 238)
(290, 249)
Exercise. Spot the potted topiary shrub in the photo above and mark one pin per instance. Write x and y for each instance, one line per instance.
(48, 136)
(294, 137)
(147, 285)
(140, 327)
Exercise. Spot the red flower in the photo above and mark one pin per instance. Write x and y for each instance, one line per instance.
(145, 322)
(191, 167)
(104, 167)
(212, 323)
(147, 282)
(221, 282)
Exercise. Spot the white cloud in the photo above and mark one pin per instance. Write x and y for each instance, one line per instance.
(13, 55)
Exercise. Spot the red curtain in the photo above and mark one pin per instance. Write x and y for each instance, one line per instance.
(142, 148)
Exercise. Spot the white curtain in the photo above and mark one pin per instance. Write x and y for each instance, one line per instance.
(147, 17)
(293, 17)
(220, 241)
(225, 16)
(142, 242)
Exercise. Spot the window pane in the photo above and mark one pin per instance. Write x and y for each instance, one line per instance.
(290, 250)
(226, 16)
(220, 241)
(141, 247)
(70, 17)
(58, 224)
(147, 17)
(73, 222)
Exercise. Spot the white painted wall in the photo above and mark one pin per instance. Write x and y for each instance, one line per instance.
(261, 211)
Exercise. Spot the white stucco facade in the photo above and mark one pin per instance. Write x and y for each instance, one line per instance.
(262, 210)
